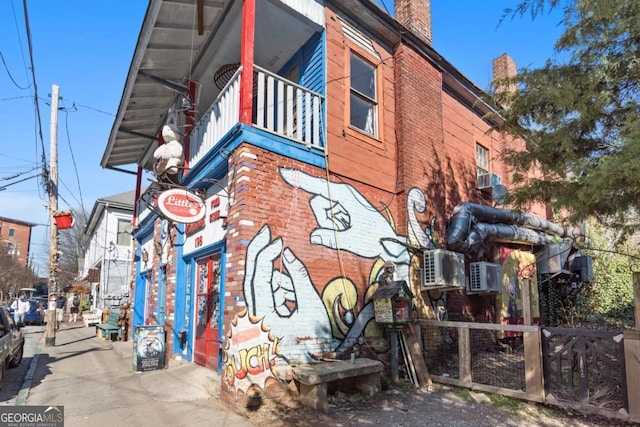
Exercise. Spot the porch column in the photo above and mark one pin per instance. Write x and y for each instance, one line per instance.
(247, 44)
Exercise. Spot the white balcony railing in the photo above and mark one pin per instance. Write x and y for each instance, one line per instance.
(279, 106)
(287, 109)
(218, 120)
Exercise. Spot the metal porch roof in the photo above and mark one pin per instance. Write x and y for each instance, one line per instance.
(165, 55)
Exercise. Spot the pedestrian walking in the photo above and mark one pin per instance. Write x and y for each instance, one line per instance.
(61, 306)
(75, 304)
(20, 307)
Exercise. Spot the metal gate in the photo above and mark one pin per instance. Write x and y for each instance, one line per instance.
(585, 368)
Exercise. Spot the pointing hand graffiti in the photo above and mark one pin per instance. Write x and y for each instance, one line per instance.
(345, 218)
(277, 296)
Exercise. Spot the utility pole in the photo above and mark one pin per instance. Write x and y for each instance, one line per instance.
(50, 332)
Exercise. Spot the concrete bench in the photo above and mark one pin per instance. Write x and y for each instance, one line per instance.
(313, 379)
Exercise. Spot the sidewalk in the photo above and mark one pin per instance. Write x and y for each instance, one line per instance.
(95, 382)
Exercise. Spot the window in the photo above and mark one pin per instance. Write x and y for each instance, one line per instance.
(482, 160)
(363, 101)
(124, 232)
(12, 232)
(10, 249)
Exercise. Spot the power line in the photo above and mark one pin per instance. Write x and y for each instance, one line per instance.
(73, 158)
(72, 195)
(16, 97)
(20, 180)
(24, 64)
(6, 67)
(17, 174)
(45, 171)
(94, 109)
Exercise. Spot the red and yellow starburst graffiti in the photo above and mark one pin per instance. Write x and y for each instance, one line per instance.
(249, 354)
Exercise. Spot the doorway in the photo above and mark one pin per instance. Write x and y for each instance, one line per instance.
(207, 342)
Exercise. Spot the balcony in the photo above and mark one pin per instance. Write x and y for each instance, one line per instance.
(170, 48)
(280, 107)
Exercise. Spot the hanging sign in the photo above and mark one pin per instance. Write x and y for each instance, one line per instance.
(181, 206)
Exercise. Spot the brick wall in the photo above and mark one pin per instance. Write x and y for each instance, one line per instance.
(21, 238)
(416, 16)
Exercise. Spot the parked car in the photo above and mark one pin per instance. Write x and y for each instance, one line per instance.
(11, 342)
(35, 315)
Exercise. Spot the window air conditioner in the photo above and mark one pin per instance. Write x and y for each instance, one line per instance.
(488, 180)
(484, 277)
(443, 269)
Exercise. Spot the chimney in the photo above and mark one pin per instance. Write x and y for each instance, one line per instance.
(415, 15)
(504, 67)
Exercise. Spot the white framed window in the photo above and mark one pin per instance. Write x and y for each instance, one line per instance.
(363, 99)
(124, 232)
(482, 160)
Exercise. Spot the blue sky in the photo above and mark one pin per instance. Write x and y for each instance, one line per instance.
(85, 47)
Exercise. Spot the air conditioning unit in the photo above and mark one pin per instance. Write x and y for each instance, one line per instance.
(488, 180)
(484, 277)
(443, 269)
(582, 269)
(553, 258)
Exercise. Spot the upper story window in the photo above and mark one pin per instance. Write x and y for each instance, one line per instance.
(482, 160)
(124, 232)
(363, 100)
(12, 232)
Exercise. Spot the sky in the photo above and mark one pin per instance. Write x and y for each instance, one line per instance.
(85, 48)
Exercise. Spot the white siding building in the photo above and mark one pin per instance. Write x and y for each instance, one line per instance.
(109, 254)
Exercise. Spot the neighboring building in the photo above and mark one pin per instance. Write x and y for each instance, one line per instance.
(324, 138)
(109, 255)
(15, 238)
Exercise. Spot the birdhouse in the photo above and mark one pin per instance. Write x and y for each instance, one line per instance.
(392, 302)
(63, 219)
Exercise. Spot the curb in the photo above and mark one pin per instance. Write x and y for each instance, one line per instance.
(23, 394)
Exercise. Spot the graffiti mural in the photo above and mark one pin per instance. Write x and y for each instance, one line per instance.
(250, 353)
(285, 300)
(279, 291)
(518, 269)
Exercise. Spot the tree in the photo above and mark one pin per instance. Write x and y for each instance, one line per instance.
(72, 249)
(13, 276)
(580, 117)
(606, 301)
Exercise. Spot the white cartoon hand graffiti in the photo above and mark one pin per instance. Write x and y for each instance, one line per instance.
(345, 218)
(286, 301)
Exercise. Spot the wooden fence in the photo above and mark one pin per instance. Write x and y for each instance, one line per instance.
(530, 364)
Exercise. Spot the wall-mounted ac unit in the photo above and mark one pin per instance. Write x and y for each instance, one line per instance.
(484, 277)
(582, 269)
(488, 180)
(443, 269)
(553, 258)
